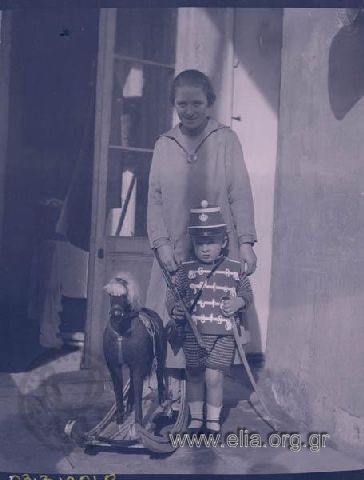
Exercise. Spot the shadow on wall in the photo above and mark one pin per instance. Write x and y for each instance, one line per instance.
(257, 41)
(265, 26)
(346, 68)
(255, 331)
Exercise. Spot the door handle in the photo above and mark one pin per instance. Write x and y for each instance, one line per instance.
(238, 118)
(100, 253)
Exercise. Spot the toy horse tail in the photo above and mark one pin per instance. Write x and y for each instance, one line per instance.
(160, 335)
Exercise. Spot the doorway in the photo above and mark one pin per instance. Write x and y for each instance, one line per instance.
(135, 68)
(50, 147)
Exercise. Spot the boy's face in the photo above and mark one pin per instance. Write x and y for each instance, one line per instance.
(208, 249)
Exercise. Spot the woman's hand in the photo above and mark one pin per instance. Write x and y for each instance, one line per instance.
(165, 253)
(248, 258)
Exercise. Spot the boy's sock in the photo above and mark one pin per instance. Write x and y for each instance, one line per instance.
(196, 414)
(213, 418)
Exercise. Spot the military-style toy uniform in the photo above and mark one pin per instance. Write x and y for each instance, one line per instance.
(225, 281)
(204, 286)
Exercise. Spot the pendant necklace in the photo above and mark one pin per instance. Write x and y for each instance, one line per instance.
(191, 157)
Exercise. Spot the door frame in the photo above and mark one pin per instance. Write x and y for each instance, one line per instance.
(96, 266)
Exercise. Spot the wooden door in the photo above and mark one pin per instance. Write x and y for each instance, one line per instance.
(135, 67)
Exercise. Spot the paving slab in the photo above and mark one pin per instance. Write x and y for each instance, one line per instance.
(58, 390)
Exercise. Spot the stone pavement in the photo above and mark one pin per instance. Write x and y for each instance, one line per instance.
(31, 438)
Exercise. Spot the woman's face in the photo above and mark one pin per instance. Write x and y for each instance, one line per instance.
(192, 108)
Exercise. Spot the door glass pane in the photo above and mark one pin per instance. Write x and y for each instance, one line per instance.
(127, 193)
(147, 33)
(140, 107)
(140, 111)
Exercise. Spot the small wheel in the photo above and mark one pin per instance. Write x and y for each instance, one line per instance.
(74, 432)
(91, 450)
(174, 409)
(156, 437)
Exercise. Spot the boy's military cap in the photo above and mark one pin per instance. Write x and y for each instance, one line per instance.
(206, 221)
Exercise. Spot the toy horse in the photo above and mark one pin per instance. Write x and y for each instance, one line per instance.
(135, 337)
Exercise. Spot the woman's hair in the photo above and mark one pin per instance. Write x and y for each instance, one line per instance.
(193, 78)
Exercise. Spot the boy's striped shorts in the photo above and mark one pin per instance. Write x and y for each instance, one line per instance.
(218, 356)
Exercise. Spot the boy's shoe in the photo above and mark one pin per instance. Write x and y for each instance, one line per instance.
(198, 430)
(213, 427)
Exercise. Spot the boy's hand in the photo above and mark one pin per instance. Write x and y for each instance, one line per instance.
(175, 336)
(232, 305)
(178, 314)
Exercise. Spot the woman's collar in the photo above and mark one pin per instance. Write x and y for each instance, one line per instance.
(211, 126)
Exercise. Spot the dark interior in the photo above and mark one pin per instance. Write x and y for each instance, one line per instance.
(50, 149)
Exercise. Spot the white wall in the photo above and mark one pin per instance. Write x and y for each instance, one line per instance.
(316, 329)
(204, 42)
(257, 42)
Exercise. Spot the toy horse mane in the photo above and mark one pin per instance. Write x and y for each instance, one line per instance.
(123, 283)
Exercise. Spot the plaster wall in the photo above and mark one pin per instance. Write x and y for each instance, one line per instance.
(240, 49)
(204, 42)
(315, 332)
(257, 68)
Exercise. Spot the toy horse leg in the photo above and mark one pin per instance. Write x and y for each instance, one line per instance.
(117, 380)
(160, 381)
(138, 395)
(130, 398)
(161, 353)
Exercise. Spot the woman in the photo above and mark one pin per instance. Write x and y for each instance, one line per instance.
(199, 159)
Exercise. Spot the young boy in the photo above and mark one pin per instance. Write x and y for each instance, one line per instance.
(215, 291)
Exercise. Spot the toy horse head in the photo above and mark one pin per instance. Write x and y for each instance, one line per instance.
(124, 295)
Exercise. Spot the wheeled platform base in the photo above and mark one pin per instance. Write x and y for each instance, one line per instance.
(158, 422)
